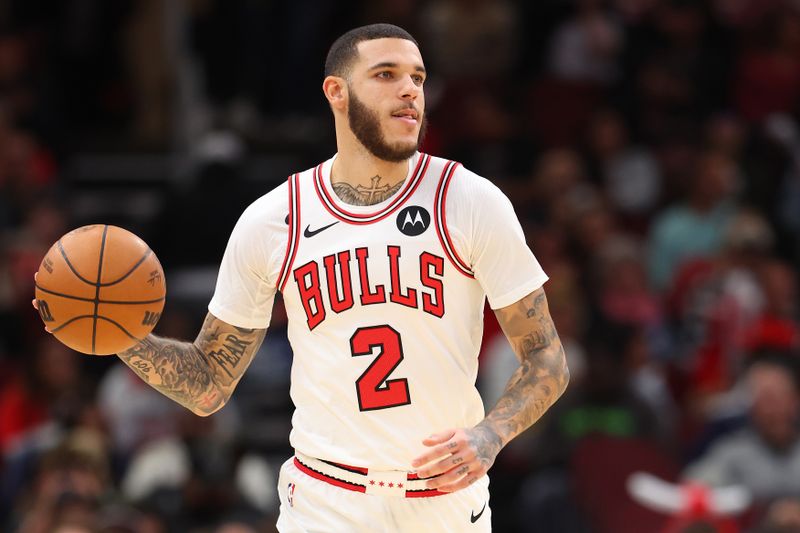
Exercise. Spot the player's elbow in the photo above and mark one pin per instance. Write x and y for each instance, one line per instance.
(203, 412)
(565, 378)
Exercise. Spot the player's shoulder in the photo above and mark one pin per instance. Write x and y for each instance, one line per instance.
(465, 185)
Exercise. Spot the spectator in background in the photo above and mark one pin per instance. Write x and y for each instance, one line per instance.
(555, 175)
(473, 47)
(678, 69)
(624, 295)
(764, 456)
(585, 48)
(693, 228)
(67, 491)
(768, 72)
(593, 227)
(469, 39)
(777, 327)
(46, 391)
(629, 174)
(782, 516)
(715, 302)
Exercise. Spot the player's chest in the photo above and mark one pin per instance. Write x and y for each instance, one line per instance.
(338, 265)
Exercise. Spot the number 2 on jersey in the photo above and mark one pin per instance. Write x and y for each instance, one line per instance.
(373, 389)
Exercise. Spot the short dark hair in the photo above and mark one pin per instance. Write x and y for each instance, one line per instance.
(345, 49)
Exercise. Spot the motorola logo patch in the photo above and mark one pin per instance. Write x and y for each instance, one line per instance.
(413, 220)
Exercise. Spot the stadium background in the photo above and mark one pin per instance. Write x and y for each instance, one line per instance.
(651, 149)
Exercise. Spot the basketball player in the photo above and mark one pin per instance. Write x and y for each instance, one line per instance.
(384, 261)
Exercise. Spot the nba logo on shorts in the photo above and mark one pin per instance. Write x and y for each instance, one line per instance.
(290, 494)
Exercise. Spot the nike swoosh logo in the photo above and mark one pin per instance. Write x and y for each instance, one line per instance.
(310, 233)
(474, 517)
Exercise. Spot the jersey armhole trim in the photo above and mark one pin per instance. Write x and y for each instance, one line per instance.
(294, 230)
(440, 218)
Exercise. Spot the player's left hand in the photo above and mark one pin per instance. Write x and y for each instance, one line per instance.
(458, 457)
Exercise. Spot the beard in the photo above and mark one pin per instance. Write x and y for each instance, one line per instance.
(366, 126)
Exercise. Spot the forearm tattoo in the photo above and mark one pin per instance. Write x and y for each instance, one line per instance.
(200, 376)
(361, 195)
(542, 375)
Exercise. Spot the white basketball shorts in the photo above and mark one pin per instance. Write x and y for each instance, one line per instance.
(323, 497)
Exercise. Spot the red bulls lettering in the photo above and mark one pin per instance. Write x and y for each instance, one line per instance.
(307, 278)
(346, 301)
(368, 296)
(428, 295)
(432, 304)
(410, 298)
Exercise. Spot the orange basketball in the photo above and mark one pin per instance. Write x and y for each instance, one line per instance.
(100, 289)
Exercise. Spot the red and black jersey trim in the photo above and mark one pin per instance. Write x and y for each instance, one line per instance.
(424, 493)
(294, 230)
(327, 478)
(332, 479)
(334, 207)
(440, 218)
(353, 469)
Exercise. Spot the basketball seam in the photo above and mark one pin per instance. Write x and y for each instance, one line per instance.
(107, 284)
(100, 317)
(84, 299)
(69, 264)
(97, 286)
(134, 267)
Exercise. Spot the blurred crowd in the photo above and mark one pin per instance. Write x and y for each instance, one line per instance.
(651, 149)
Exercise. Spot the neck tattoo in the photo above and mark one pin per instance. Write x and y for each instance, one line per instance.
(361, 195)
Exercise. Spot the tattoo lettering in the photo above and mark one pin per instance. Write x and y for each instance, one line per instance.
(236, 346)
(361, 195)
(140, 364)
(231, 353)
(201, 375)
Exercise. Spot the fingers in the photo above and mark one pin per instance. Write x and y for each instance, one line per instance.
(438, 438)
(462, 483)
(445, 464)
(443, 450)
(35, 304)
(446, 446)
(457, 477)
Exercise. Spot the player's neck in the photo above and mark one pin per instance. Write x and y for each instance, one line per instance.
(360, 178)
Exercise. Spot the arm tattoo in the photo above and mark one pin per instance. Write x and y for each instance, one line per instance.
(542, 375)
(360, 195)
(200, 376)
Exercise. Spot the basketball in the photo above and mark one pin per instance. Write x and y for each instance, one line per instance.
(100, 289)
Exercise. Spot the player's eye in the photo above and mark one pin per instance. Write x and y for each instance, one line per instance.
(419, 80)
(385, 74)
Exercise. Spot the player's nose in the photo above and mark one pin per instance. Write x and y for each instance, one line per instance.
(410, 89)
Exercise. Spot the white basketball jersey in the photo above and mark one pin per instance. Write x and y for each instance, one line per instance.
(385, 306)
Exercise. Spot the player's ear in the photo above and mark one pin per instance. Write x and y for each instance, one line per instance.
(335, 89)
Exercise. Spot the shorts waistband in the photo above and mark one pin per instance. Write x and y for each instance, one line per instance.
(393, 483)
